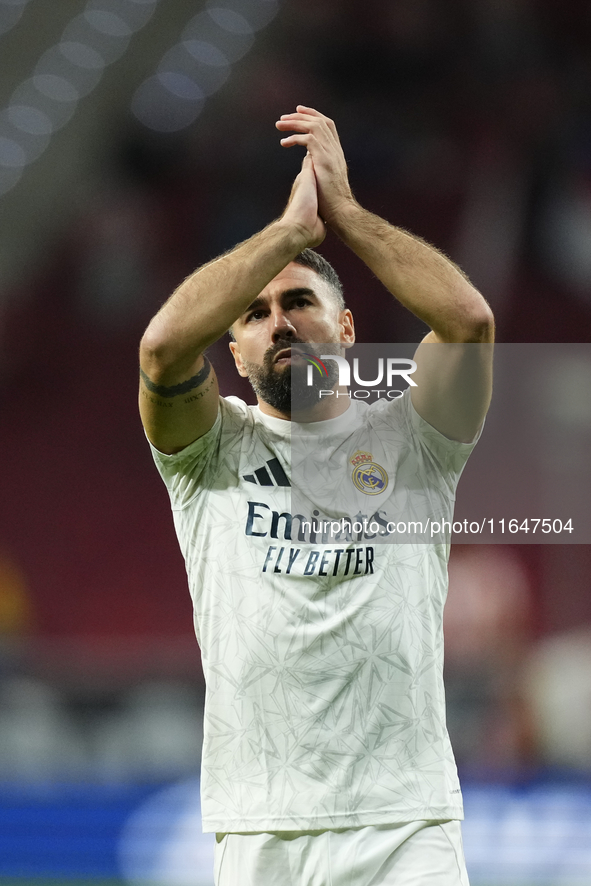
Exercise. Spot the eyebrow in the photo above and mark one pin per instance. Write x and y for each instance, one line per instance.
(286, 294)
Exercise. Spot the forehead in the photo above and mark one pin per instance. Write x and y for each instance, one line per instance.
(296, 276)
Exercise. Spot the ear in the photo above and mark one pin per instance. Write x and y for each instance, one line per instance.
(238, 359)
(347, 327)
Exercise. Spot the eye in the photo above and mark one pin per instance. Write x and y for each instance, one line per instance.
(255, 315)
(301, 302)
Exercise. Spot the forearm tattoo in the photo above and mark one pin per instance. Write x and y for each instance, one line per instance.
(154, 400)
(200, 393)
(183, 388)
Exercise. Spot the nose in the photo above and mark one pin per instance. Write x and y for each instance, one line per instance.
(282, 326)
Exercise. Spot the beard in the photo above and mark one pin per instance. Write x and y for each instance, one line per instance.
(285, 388)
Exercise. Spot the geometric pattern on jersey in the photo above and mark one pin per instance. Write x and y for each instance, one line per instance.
(323, 662)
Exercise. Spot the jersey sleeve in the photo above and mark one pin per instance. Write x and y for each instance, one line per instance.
(194, 468)
(441, 457)
(183, 472)
(448, 456)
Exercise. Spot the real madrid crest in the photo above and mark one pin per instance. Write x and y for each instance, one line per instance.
(367, 476)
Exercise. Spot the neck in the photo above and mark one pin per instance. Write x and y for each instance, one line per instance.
(326, 408)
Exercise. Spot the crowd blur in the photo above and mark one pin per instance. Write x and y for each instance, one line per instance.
(467, 122)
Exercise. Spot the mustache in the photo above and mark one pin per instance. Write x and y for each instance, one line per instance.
(284, 343)
(281, 345)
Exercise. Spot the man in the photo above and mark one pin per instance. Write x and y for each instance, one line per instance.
(326, 759)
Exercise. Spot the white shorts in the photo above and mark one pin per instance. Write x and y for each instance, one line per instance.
(418, 853)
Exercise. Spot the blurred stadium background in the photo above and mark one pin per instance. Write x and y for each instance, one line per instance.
(137, 141)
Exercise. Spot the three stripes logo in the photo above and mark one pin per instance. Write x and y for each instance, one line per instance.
(270, 475)
(273, 474)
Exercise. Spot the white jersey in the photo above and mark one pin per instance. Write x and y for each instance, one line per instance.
(322, 655)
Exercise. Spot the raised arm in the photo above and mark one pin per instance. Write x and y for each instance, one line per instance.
(454, 374)
(178, 389)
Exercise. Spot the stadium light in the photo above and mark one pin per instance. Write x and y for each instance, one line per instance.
(65, 73)
(200, 63)
(10, 13)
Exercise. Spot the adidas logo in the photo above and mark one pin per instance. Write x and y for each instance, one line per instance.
(271, 475)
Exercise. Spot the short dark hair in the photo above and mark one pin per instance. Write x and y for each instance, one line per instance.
(316, 262)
